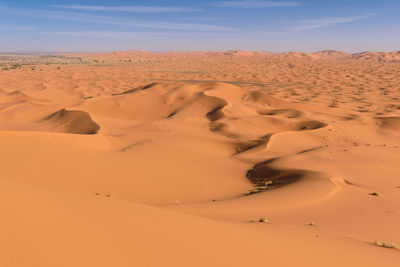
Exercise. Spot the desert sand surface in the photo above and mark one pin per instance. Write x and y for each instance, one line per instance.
(200, 159)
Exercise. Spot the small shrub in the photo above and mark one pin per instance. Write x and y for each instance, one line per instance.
(375, 194)
(15, 66)
(261, 220)
(385, 245)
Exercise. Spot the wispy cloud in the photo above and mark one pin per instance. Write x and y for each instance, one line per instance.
(305, 25)
(108, 20)
(104, 34)
(6, 27)
(257, 4)
(123, 34)
(139, 9)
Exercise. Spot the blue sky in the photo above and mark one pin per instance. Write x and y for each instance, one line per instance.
(276, 26)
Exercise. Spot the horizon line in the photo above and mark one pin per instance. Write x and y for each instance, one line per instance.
(8, 51)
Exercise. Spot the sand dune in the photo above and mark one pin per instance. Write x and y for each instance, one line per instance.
(75, 121)
(202, 159)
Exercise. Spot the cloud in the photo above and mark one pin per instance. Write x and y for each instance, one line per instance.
(104, 34)
(257, 4)
(139, 9)
(123, 34)
(305, 25)
(4, 27)
(108, 20)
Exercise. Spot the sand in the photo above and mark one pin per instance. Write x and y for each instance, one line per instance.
(201, 159)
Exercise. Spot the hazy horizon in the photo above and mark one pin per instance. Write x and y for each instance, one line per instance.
(22, 52)
(159, 26)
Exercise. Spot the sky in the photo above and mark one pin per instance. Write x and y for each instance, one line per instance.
(164, 25)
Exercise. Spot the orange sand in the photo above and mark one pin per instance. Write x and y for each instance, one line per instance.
(140, 159)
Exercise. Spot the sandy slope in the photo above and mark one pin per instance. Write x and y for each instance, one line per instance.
(165, 159)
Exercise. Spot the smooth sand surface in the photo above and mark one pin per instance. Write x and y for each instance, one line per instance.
(172, 159)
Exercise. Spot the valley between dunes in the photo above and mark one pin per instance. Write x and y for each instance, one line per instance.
(201, 159)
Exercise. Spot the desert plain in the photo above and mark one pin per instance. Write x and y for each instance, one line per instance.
(200, 159)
